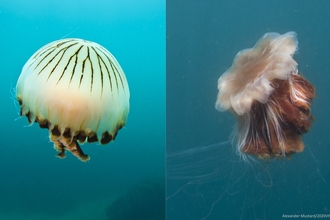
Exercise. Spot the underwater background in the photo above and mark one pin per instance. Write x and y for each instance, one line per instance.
(205, 177)
(124, 179)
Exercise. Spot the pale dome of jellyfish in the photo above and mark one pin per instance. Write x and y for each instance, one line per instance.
(77, 90)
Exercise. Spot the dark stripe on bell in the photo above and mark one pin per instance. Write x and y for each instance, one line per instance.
(75, 63)
(67, 133)
(55, 131)
(92, 138)
(99, 59)
(106, 138)
(50, 61)
(43, 123)
(106, 66)
(92, 69)
(28, 115)
(81, 136)
(75, 55)
(63, 50)
(20, 102)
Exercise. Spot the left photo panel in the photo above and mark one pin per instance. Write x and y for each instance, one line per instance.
(83, 110)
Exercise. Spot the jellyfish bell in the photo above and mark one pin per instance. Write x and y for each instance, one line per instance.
(270, 99)
(77, 90)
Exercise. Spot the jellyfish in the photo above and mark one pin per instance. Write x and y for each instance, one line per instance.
(269, 97)
(77, 90)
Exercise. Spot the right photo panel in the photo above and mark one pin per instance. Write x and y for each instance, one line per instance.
(247, 110)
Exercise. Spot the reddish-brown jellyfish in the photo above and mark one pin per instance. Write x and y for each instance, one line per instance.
(77, 90)
(270, 99)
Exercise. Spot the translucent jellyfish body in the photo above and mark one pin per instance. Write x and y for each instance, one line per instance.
(270, 99)
(77, 90)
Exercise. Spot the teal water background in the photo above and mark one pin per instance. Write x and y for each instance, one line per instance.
(34, 183)
(202, 40)
(205, 177)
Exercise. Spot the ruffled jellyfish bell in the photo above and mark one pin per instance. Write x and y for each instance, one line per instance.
(77, 90)
(269, 97)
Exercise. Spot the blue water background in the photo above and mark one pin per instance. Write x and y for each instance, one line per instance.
(207, 181)
(34, 183)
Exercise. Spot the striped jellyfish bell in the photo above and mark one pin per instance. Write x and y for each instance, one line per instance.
(77, 90)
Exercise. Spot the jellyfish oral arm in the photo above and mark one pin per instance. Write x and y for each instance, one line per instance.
(62, 144)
